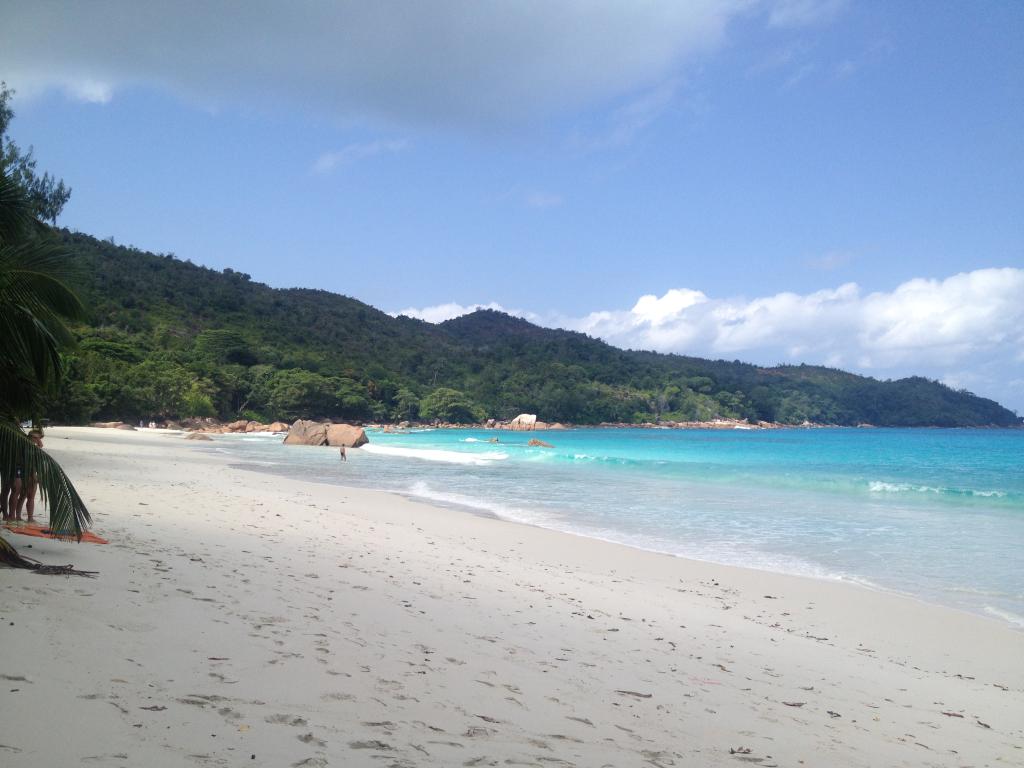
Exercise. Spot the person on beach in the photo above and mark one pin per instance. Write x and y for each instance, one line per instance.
(343, 456)
(12, 498)
(6, 481)
(23, 490)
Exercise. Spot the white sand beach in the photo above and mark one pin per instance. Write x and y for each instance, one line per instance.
(244, 619)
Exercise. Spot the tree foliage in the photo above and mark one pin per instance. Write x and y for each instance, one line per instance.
(284, 354)
(46, 195)
(450, 405)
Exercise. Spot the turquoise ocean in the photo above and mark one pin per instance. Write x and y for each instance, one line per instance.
(937, 514)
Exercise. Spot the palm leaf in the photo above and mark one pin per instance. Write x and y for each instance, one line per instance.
(69, 517)
(36, 272)
(22, 395)
(16, 218)
(29, 344)
(35, 297)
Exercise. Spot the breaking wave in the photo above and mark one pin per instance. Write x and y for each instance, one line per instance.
(883, 487)
(437, 454)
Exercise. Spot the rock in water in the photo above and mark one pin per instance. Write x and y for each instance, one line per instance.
(535, 443)
(305, 432)
(524, 422)
(197, 436)
(346, 434)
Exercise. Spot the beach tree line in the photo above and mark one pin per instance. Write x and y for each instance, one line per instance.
(166, 339)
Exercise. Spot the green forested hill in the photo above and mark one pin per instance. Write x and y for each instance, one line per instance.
(169, 339)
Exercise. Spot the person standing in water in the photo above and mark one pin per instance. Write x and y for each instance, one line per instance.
(343, 456)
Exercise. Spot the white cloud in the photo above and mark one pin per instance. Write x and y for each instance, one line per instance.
(329, 161)
(441, 312)
(967, 329)
(658, 311)
(92, 91)
(444, 62)
(930, 322)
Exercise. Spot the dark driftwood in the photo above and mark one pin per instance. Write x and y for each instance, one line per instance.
(10, 557)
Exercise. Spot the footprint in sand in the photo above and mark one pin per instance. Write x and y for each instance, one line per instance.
(371, 744)
(337, 697)
(292, 720)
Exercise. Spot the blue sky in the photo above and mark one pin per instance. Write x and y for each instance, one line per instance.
(801, 180)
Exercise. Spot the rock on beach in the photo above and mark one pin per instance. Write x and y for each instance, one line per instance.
(306, 432)
(346, 435)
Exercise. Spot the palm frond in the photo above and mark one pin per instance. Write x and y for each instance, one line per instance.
(22, 395)
(37, 273)
(69, 517)
(16, 217)
(29, 344)
(35, 297)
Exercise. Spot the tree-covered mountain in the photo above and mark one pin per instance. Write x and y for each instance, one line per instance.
(169, 339)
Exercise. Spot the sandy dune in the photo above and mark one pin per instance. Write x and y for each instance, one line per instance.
(243, 619)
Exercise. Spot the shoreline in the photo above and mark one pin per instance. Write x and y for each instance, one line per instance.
(396, 629)
(507, 512)
(1012, 622)
(855, 582)
(987, 613)
(217, 427)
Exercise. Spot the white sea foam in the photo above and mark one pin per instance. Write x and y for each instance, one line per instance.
(422, 490)
(436, 454)
(883, 487)
(880, 487)
(1012, 618)
(726, 553)
(859, 581)
(986, 592)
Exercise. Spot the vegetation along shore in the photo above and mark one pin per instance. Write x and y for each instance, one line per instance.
(167, 339)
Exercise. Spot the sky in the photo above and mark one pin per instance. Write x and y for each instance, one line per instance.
(775, 181)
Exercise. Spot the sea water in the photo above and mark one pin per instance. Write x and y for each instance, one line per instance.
(933, 513)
